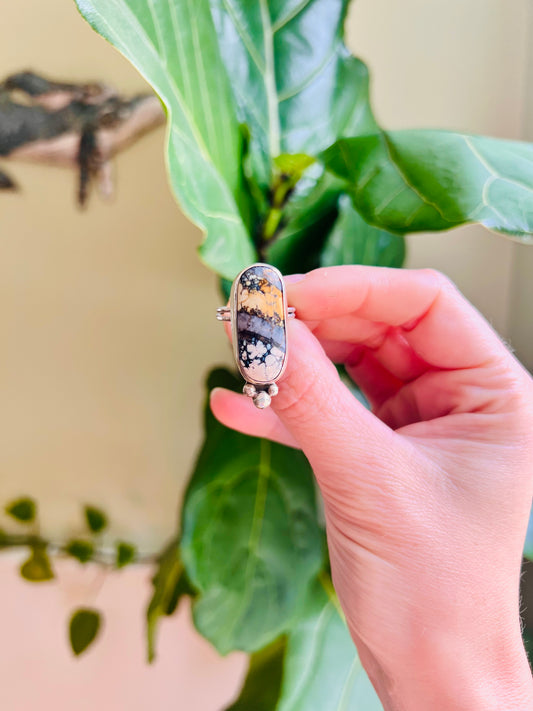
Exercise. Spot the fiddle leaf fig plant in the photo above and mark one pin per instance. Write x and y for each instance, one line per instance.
(274, 152)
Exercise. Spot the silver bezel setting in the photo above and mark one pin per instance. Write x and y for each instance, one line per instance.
(233, 312)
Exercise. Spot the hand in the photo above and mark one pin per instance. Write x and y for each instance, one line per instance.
(426, 497)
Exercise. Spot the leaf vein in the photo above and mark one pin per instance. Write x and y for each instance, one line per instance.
(390, 198)
(406, 180)
(246, 39)
(354, 670)
(277, 26)
(306, 672)
(270, 82)
(294, 91)
(497, 175)
(205, 96)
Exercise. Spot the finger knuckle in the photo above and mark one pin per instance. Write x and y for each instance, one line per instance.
(441, 280)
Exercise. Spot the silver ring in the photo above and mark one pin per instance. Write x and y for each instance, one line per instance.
(258, 313)
(223, 313)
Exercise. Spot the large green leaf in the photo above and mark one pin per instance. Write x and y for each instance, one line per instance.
(322, 671)
(316, 663)
(251, 543)
(354, 241)
(174, 45)
(296, 85)
(408, 181)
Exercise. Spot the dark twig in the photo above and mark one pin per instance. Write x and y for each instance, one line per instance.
(78, 126)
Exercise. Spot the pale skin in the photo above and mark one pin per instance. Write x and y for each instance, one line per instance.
(427, 497)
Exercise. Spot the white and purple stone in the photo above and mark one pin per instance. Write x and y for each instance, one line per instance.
(260, 336)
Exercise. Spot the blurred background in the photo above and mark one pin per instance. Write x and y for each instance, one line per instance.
(107, 330)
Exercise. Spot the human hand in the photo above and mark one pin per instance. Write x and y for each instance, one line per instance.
(426, 497)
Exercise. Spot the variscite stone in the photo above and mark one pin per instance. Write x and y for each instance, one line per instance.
(259, 324)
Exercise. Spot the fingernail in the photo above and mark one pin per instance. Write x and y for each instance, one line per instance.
(293, 278)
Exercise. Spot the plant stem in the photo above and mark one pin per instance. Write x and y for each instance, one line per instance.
(102, 556)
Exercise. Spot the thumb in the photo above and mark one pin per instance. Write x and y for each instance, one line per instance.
(320, 412)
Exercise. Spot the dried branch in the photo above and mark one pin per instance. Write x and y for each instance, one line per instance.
(78, 126)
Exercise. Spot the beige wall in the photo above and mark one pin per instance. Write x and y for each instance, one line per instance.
(103, 356)
(103, 353)
(457, 65)
(520, 325)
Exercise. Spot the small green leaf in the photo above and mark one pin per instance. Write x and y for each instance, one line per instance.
(84, 626)
(126, 553)
(251, 541)
(170, 584)
(354, 241)
(293, 164)
(95, 518)
(262, 685)
(37, 568)
(23, 509)
(80, 549)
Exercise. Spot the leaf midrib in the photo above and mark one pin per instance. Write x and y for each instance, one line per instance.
(274, 128)
(263, 477)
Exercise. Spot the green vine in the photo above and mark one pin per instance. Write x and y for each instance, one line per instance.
(84, 625)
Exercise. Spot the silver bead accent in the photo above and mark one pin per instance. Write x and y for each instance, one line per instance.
(262, 400)
(249, 389)
(273, 389)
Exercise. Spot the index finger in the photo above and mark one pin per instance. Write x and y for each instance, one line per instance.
(439, 324)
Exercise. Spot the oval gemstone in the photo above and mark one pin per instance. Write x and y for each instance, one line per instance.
(260, 337)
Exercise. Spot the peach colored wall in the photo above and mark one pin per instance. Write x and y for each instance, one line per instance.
(37, 670)
(102, 355)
